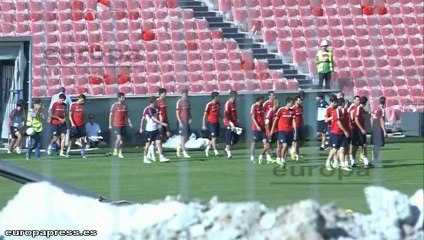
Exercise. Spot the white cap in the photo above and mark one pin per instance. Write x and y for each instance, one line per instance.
(324, 43)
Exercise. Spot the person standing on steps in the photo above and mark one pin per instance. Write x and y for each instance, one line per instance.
(325, 65)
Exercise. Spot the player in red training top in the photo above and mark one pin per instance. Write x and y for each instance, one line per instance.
(328, 117)
(271, 137)
(162, 107)
(358, 132)
(152, 133)
(117, 121)
(162, 116)
(230, 122)
(210, 121)
(58, 123)
(285, 123)
(184, 121)
(76, 117)
(329, 111)
(298, 132)
(339, 136)
(257, 117)
(378, 129)
(270, 102)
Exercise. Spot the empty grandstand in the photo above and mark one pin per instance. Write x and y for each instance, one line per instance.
(137, 46)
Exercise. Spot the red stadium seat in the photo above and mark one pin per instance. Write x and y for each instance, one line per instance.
(360, 83)
(152, 88)
(280, 85)
(391, 102)
(266, 85)
(389, 92)
(224, 86)
(396, 71)
(376, 92)
(362, 92)
(292, 85)
(399, 82)
(402, 92)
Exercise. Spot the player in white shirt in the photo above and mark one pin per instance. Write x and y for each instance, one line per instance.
(322, 127)
(152, 130)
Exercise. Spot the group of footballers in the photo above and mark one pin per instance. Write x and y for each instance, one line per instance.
(270, 124)
(346, 124)
(60, 117)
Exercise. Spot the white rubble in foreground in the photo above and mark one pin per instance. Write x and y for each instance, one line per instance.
(41, 206)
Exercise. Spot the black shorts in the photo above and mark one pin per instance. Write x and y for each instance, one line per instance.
(298, 135)
(78, 132)
(230, 136)
(357, 138)
(285, 137)
(120, 130)
(152, 136)
(185, 130)
(58, 129)
(213, 129)
(272, 138)
(322, 126)
(258, 136)
(339, 141)
(13, 131)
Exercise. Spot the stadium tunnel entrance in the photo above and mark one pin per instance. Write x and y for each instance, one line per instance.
(14, 77)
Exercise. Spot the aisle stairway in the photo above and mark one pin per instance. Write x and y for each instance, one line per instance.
(216, 21)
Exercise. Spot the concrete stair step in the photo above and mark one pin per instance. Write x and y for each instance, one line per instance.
(297, 76)
(248, 45)
(260, 50)
(226, 30)
(220, 25)
(214, 19)
(201, 14)
(275, 61)
(264, 56)
(290, 71)
(286, 68)
(185, 4)
(197, 8)
(243, 40)
(236, 35)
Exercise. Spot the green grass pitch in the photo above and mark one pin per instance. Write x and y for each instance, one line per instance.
(230, 180)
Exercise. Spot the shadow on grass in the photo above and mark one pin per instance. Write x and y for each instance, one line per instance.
(391, 149)
(401, 165)
(318, 183)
